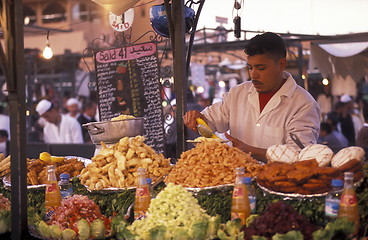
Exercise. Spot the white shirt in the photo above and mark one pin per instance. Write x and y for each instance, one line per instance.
(291, 109)
(68, 131)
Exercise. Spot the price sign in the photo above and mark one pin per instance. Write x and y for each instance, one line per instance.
(128, 83)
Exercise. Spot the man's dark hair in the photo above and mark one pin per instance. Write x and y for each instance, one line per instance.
(365, 110)
(267, 43)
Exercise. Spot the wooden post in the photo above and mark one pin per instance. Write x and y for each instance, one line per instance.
(13, 60)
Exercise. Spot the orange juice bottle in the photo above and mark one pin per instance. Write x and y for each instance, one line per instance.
(52, 192)
(240, 207)
(348, 202)
(142, 196)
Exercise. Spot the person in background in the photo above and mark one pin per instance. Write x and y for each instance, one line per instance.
(89, 113)
(4, 142)
(327, 137)
(333, 121)
(73, 107)
(4, 120)
(59, 128)
(362, 137)
(324, 101)
(350, 124)
(264, 111)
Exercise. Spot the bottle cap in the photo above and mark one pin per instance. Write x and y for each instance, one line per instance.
(149, 180)
(337, 183)
(247, 180)
(65, 176)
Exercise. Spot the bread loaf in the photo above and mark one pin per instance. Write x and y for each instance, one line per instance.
(346, 154)
(322, 153)
(281, 153)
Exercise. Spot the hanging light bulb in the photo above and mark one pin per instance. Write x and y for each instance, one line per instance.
(47, 51)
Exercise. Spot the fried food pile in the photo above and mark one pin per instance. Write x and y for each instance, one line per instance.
(37, 170)
(211, 163)
(304, 177)
(116, 166)
(4, 165)
(122, 117)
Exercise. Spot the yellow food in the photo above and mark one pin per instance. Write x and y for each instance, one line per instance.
(45, 156)
(122, 117)
(57, 159)
(116, 166)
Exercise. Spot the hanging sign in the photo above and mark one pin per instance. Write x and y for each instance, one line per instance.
(128, 83)
(121, 23)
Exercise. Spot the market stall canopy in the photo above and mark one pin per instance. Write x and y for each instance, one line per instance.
(117, 7)
(347, 60)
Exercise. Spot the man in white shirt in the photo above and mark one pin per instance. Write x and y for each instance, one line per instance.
(59, 128)
(263, 112)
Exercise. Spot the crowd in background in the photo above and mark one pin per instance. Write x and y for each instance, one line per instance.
(343, 123)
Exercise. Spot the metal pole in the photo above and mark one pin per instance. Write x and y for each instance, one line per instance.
(13, 32)
(180, 74)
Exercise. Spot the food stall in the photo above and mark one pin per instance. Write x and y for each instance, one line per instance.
(113, 197)
(188, 179)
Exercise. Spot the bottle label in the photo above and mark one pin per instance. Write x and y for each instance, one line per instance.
(138, 215)
(252, 202)
(51, 187)
(67, 193)
(242, 216)
(332, 207)
(238, 192)
(348, 200)
(142, 191)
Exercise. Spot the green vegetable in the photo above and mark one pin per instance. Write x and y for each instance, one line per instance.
(199, 229)
(250, 219)
(231, 230)
(55, 231)
(69, 234)
(44, 229)
(157, 233)
(181, 234)
(291, 235)
(83, 229)
(97, 229)
(233, 227)
(339, 229)
(5, 218)
(213, 226)
(258, 238)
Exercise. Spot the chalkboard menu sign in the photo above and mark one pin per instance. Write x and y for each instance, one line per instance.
(128, 83)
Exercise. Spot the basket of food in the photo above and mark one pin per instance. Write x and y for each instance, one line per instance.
(117, 128)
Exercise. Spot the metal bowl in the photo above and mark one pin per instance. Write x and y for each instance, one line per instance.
(113, 131)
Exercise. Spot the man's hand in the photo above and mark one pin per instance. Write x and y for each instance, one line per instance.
(237, 143)
(257, 153)
(190, 119)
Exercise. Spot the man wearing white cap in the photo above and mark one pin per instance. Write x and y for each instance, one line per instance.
(72, 105)
(59, 128)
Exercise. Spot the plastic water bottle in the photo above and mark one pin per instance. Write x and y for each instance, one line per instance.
(152, 191)
(66, 188)
(251, 194)
(332, 201)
